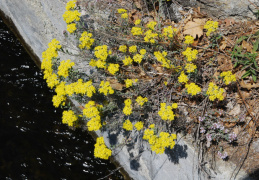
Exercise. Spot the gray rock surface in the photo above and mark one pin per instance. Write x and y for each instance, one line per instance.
(238, 9)
(38, 22)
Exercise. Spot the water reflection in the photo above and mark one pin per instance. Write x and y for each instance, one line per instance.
(34, 142)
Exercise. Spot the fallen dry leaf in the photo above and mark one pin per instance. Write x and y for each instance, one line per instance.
(224, 62)
(248, 85)
(138, 3)
(247, 46)
(223, 45)
(115, 84)
(134, 15)
(194, 27)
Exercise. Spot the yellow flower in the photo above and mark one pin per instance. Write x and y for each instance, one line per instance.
(136, 31)
(150, 36)
(137, 22)
(169, 31)
(106, 88)
(174, 105)
(113, 68)
(127, 110)
(192, 89)
(137, 58)
(68, 117)
(124, 16)
(70, 16)
(189, 40)
(166, 112)
(142, 51)
(86, 40)
(101, 150)
(214, 92)
(228, 77)
(127, 125)
(121, 11)
(127, 61)
(183, 78)
(190, 54)
(140, 100)
(190, 67)
(71, 27)
(64, 67)
(71, 5)
(128, 83)
(211, 26)
(161, 57)
(133, 49)
(139, 125)
(151, 25)
(123, 48)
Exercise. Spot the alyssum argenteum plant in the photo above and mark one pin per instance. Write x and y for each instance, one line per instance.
(149, 68)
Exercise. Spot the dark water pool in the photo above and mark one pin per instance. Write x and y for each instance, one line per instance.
(34, 144)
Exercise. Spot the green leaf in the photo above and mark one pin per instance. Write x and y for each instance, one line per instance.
(257, 33)
(254, 77)
(253, 71)
(241, 39)
(246, 74)
(255, 46)
(235, 65)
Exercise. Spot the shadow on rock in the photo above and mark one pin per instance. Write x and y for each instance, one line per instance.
(176, 153)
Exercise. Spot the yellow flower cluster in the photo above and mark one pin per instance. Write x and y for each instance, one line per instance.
(138, 58)
(71, 5)
(190, 54)
(158, 144)
(101, 53)
(174, 105)
(161, 57)
(214, 92)
(123, 48)
(71, 16)
(113, 68)
(127, 125)
(183, 78)
(106, 88)
(136, 31)
(86, 40)
(64, 67)
(91, 111)
(150, 36)
(169, 31)
(151, 25)
(127, 110)
(166, 112)
(133, 49)
(121, 11)
(192, 89)
(71, 27)
(46, 66)
(140, 100)
(142, 51)
(137, 22)
(190, 67)
(124, 16)
(189, 40)
(139, 125)
(228, 77)
(127, 61)
(68, 117)
(57, 100)
(84, 88)
(129, 82)
(211, 26)
(101, 150)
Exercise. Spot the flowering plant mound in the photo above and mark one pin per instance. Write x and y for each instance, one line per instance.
(151, 73)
